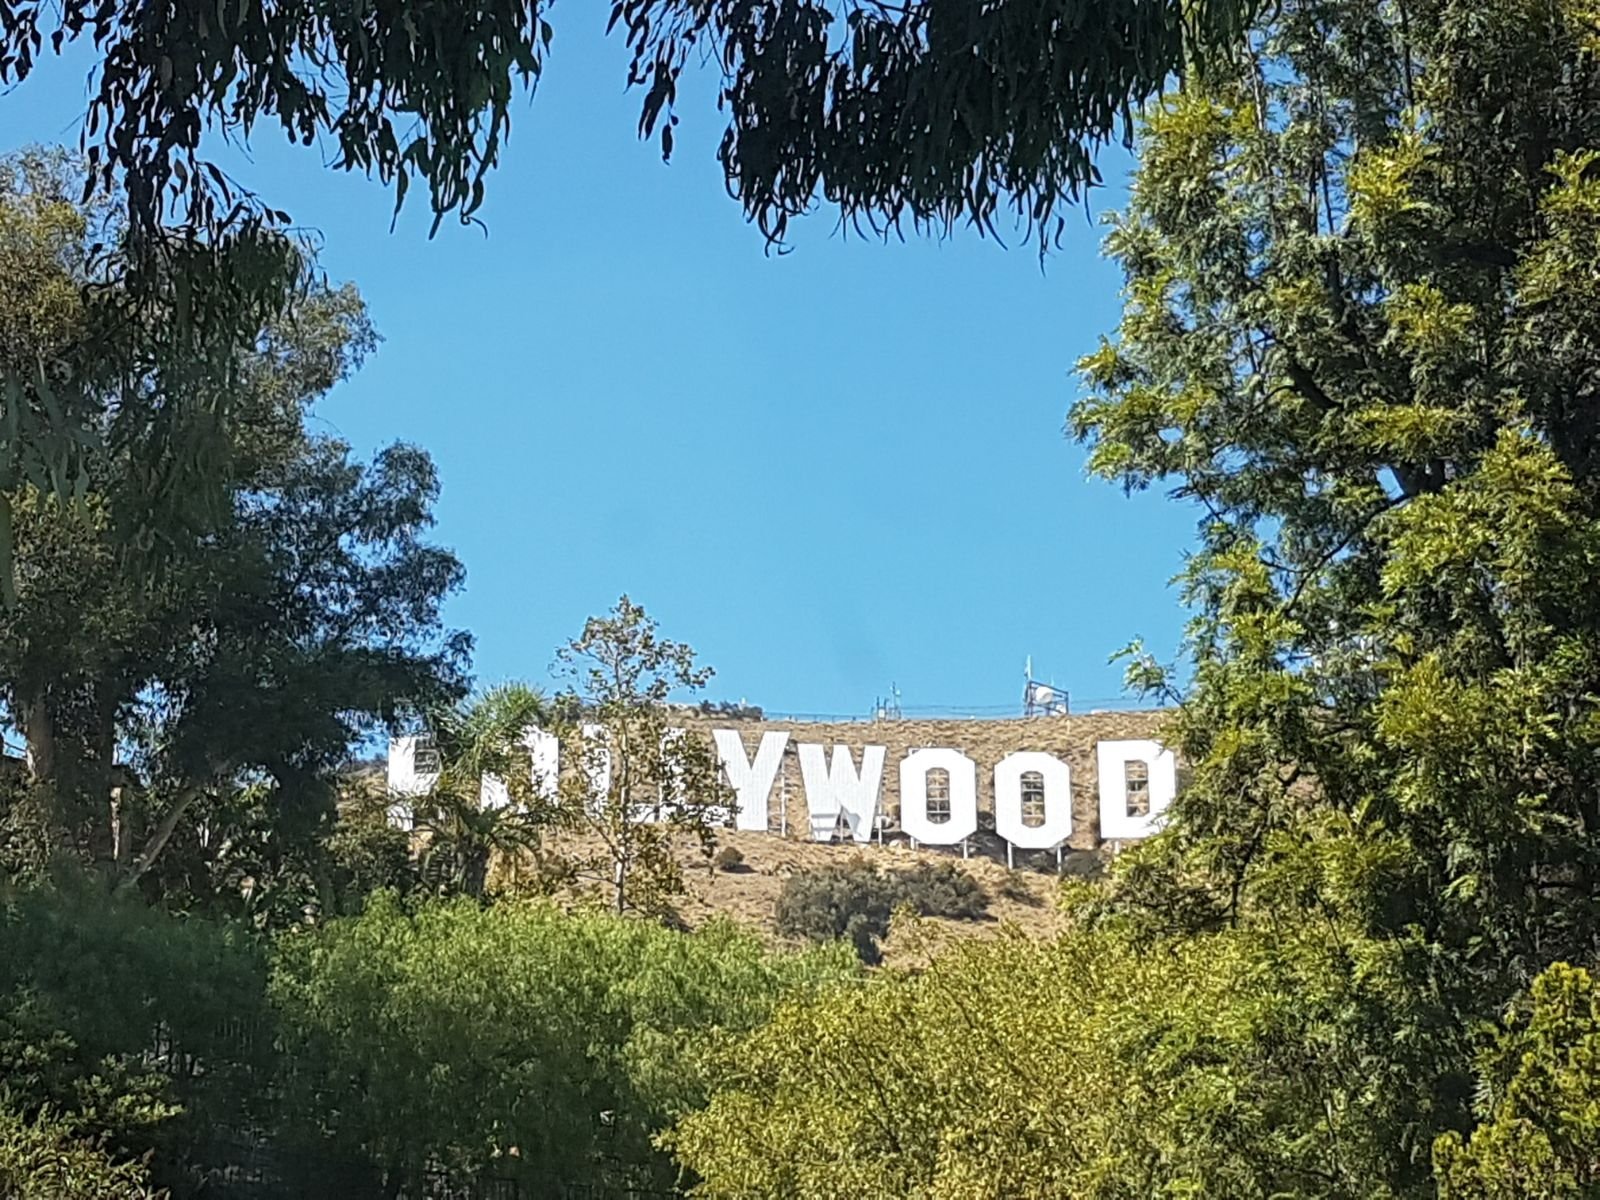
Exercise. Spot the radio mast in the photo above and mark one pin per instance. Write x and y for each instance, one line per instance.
(1042, 699)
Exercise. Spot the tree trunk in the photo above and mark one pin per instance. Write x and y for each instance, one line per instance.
(158, 839)
(39, 729)
(475, 871)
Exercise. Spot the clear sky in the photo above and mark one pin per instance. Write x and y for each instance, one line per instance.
(830, 471)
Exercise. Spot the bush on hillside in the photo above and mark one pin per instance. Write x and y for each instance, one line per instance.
(943, 890)
(729, 858)
(852, 902)
(855, 901)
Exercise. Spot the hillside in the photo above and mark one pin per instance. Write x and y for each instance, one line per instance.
(1024, 897)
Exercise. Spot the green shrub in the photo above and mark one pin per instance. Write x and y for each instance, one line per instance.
(115, 1018)
(514, 1040)
(852, 902)
(1132, 1067)
(855, 901)
(1539, 1136)
(943, 890)
(46, 1159)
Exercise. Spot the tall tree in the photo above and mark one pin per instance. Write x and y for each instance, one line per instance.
(251, 638)
(322, 627)
(1361, 332)
(642, 785)
(133, 350)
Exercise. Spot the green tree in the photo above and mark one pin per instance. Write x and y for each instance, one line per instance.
(329, 629)
(482, 738)
(514, 1039)
(111, 350)
(642, 785)
(1539, 1138)
(1095, 1065)
(115, 1022)
(1360, 332)
(205, 693)
(43, 1159)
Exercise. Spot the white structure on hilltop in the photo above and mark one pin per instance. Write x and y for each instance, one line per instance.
(938, 787)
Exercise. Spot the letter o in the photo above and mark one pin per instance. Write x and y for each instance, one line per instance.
(963, 822)
(1008, 822)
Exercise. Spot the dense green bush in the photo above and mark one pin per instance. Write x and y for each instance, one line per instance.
(44, 1158)
(1098, 1066)
(516, 1040)
(856, 900)
(117, 1020)
(942, 890)
(1539, 1137)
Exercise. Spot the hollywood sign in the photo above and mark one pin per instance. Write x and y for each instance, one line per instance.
(1033, 790)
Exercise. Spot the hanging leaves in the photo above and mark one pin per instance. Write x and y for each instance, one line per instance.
(401, 88)
(941, 111)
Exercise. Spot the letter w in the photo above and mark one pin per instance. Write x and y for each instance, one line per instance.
(835, 789)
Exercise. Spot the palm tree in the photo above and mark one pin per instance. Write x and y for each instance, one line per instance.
(463, 818)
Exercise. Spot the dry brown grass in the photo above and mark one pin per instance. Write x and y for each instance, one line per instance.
(1023, 898)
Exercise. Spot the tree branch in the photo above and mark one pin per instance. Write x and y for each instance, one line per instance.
(158, 839)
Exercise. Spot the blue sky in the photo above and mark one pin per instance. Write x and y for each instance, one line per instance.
(830, 471)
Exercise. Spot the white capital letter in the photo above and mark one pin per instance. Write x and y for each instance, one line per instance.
(1008, 822)
(833, 788)
(963, 822)
(544, 751)
(751, 781)
(1161, 766)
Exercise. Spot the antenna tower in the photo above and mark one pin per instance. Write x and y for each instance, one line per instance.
(1042, 699)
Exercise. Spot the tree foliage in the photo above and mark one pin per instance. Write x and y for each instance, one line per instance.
(112, 348)
(106, 1008)
(43, 1158)
(1359, 331)
(182, 677)
(515, 1039)
(640, 784)
(1094, 1066)
(936, 110)
(1539, 1138)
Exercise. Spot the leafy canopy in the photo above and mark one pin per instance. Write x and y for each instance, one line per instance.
(1094, 1065)
(936, 109)
(1359, 332)
(182, 662)
(515, 1038)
